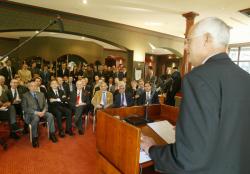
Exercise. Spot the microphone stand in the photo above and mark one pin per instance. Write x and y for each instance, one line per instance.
(146, 113)
(52, 22)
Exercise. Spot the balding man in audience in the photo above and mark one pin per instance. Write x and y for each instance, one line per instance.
(59, 106)
(79, 100)
(212, 131)
(123, 98)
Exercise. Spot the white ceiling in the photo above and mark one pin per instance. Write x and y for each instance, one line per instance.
(18, 35)
(164, 16)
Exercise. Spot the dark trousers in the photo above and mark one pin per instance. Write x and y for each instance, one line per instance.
(79, 111)
(59, 111)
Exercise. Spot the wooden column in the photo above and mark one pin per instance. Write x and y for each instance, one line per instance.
(190, 16)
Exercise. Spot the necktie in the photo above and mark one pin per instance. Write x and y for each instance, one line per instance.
(15, 94)
(10, 73)
(147, 97)
(122, 100)
(104, 98)
(57, 96)
(78, 98)
(37, 103)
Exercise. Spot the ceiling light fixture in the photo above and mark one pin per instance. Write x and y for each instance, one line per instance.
(84, 1)
(82, 38)
(36, 32)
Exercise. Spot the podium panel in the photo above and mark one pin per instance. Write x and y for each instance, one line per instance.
(118, 143)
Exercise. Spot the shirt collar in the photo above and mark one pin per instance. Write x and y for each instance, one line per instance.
(205, 60)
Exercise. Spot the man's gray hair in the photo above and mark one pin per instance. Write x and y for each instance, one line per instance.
(218, 29)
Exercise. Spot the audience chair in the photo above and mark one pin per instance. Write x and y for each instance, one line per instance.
(41, 122)
(93, 121)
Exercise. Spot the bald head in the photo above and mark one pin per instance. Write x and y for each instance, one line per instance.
(208, 37)
(218, 30)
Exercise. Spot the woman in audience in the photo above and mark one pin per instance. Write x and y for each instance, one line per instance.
(25, 74)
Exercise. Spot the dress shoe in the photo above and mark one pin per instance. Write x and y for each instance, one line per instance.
(81, 132)
(35, 142)
(70, 132)
(14, 136)
(15, 128)
(61, 134)
(52, 137)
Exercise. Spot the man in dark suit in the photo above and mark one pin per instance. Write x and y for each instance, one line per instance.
(15, 95)
(59, 106)
(149, 96)
(8, 72)
(212, 132)
(63, 86)
(35, 71)
(175, 87)
(79, 100)
(35, 107)
(45, 74)
(63, 71)
(123, 99)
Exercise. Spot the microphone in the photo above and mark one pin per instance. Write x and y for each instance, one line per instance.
(59, 21)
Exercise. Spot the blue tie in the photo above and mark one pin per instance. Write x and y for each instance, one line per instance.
(37, 103)
(104, 100)
(122, 100)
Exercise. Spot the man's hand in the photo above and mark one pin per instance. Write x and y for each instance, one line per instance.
(146, 143)
(99, 106)
(40, 114)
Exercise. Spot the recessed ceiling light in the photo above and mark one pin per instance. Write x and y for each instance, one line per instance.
(84, 1)
(82, 38)
(36, 32)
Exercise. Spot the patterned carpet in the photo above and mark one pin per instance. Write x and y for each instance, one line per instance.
(71, 155)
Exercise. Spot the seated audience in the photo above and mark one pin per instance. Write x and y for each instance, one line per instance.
(148, 96)
(102, 98)
(59, 107)
(79, 100)
(40, 87)
(8, 112)
(35, 107)
(122, 99)
(2, 84)
(63, 87)
(111, 85)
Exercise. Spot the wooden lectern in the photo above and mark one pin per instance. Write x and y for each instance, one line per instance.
(118, 143)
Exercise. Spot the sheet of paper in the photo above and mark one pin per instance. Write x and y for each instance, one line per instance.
(144, 157)
(165, 130)
(138, 74)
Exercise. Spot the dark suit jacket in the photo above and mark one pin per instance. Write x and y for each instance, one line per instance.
(212, 132)
(117, 100)
(60, 72)
(21, 92)
(154, 99)
(52, 95)
(5, 73)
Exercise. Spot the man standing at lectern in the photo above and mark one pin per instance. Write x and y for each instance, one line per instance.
(212, 131)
